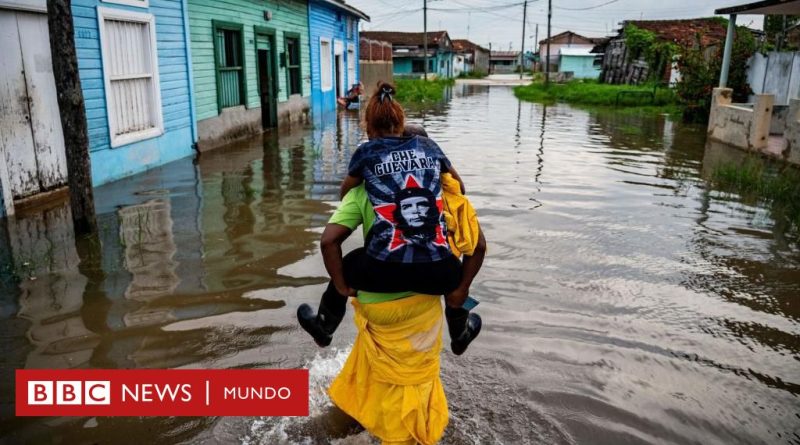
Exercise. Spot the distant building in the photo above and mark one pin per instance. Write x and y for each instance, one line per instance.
(503, 62)
(408, 53)
(333, 26)
(620, 65)
(581, 62)
(566, 39)
(469, 58)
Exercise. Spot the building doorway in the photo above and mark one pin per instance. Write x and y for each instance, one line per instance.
(265, 55)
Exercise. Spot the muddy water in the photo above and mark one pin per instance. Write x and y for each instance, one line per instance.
(624, 299)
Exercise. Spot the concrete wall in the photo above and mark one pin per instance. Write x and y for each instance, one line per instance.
(777, 73)
(372, 72)
(738, 124)
(174, 80)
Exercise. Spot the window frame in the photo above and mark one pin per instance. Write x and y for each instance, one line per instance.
(323, 86)
(229, 26)
(104, 14)
(286, 37)
(134, 3)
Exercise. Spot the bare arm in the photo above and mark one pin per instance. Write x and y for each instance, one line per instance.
(348, 183)
(331, 245)
(471, 266)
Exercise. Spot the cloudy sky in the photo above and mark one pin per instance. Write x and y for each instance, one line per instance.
(500, 21)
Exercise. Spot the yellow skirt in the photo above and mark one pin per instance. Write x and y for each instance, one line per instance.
(390, 383)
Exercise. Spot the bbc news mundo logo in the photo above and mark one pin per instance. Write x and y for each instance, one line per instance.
(152, 392)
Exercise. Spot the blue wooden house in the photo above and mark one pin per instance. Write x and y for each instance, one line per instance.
(333, 31)
(408, 52)
(133, 59)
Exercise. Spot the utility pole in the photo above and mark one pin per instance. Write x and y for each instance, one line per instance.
(490, 57)
(73, 115)
(522, 53)
(547, 60)
(425, 34)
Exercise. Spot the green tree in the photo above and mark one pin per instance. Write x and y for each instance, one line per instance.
(773, 28)
(700, 74)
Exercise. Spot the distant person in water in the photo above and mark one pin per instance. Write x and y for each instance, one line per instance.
(406, 249)
(353, 96)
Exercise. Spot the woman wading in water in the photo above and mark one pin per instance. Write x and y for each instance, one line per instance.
(390, 383)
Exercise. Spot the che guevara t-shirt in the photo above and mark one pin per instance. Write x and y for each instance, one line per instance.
(403, 183)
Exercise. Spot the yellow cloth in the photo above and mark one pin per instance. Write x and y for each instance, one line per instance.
(390, 383)
(460, 217)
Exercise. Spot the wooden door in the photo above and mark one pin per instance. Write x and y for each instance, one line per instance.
(31, 140)
(266, 80)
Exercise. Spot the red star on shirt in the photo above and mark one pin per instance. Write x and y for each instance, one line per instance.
(386, 212)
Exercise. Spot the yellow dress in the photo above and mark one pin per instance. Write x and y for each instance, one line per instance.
(390, 383)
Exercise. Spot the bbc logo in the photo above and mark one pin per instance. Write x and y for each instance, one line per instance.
(69, 392)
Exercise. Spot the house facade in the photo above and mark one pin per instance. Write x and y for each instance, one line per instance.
(582, 63)
(408, 52)
(133, 60)
(134, 72)
(504, 62)
(566, 39)
(333, 40)
(469, 58)
(251, 67)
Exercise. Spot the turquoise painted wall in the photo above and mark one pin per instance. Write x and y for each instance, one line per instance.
(109, 164)
(330, 23)
(287, 16)
(442, 65)
(582, 66)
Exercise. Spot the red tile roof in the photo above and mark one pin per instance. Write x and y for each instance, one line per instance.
(711, 31)
(464, 45)
(406, 38)
(569, 36)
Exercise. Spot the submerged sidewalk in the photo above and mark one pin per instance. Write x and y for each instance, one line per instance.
(499, 79)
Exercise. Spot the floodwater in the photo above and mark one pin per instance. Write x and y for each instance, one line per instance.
(624, 299)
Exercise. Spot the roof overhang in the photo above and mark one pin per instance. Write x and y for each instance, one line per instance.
(345, 7)
(765, 7)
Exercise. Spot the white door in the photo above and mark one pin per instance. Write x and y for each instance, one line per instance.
(351, 65)
(338, 56)
(31, 140)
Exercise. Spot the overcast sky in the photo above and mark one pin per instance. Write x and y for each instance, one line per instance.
(500, 21)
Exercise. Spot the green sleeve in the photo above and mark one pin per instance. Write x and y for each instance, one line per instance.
(354, 210)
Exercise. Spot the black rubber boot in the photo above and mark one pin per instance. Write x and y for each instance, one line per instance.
(463, 326)
(322, 325)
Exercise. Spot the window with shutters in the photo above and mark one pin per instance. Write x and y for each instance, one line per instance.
(229, 59)
(325, 68)
(293, 63)
(130, 71)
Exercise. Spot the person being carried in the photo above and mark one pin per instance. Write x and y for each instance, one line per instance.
(406, 250)
(352, 96)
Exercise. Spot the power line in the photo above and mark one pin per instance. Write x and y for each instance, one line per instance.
(588, 7)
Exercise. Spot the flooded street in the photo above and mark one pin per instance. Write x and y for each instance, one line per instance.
(624, 300)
